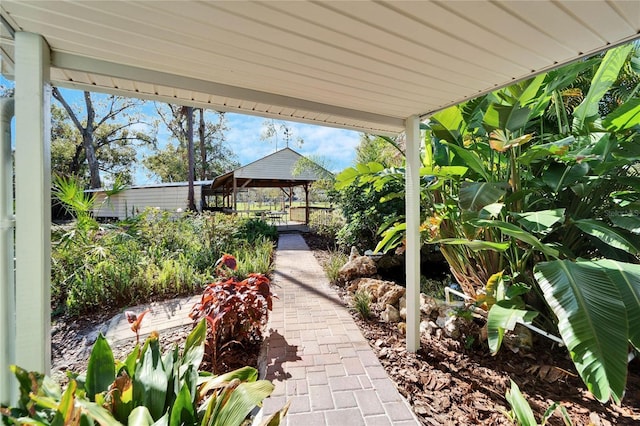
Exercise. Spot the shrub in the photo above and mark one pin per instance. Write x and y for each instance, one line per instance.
(326, 223)
(252, 230)
(332, 265)
(236, 310)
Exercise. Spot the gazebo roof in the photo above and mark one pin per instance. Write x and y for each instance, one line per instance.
(280, 169)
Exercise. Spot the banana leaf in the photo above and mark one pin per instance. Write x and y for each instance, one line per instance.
(540, 222)
(616, 238)
(595, 302)
(601, 82)
(477, 195)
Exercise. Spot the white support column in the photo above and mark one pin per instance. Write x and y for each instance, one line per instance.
(33, 202)
(8, 388)
(412, 253)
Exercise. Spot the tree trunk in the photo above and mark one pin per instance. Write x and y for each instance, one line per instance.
(89, 148)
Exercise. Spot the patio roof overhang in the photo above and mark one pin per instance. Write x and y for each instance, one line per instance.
(360, 65)
(377, 67)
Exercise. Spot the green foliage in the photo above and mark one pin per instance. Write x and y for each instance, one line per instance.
(545, 187)
(362, 303)
(153, 255)
(147, 387)
(325, 223)
(252, 229)
(362, 206)
(521, 413)
(212, 155)
(332, 265)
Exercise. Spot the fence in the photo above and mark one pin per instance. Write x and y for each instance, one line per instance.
(297, 214)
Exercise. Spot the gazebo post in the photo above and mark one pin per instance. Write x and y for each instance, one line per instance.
(306, 199)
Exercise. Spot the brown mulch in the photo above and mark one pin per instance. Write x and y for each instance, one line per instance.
(447, 382)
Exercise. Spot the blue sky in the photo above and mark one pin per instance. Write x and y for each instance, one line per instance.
(334, 147)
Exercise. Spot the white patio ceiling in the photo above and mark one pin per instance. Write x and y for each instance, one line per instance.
(355, 64)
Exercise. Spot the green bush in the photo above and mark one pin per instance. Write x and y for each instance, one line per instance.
(252, 229)
(326, 223)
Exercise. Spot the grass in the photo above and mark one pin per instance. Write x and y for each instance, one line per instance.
(332, 265)
(362, 303)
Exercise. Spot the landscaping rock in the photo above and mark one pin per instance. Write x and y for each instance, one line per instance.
(390, 294)
(359, 267)
(428, 304)
(366, 284)
(354, 253)
(390, 314)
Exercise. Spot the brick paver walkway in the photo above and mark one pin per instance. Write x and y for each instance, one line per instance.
(316, 355)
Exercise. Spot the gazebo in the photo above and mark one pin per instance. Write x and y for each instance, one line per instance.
(285, 169)
(376, 67)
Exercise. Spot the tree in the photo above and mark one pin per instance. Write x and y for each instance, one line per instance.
(169, 164)
(104, 140)
(272, 129)
(378, 149)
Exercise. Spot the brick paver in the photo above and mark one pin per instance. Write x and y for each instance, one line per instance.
(315, 354)
(345, 382)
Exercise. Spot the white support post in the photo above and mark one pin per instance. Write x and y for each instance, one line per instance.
(412, 253)
(33, 202)
(8, 389)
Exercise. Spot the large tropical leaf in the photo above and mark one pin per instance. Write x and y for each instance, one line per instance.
(616, 238)
(504, 315)
(519, 234)
(630, 222)
(627, 116)
(477, 195)
(150, 382)
(509, 117)
(474, 245)
(241, 402)
(448, 125)
(540, 222)
(560, 176)
(626, 277)
(592, 321)
(602, 81)
(471, 159)
(100, 369)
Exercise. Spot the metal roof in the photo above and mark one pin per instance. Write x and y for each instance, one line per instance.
(272, 171)
(363, 65)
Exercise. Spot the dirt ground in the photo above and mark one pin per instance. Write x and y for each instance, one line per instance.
(447, 382)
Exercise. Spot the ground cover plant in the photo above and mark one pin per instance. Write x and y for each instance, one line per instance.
(152, 256)
(531, 195)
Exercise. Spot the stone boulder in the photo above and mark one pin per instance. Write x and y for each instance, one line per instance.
(369, 285)
(390, 294)
(359, 267)
(390, 314)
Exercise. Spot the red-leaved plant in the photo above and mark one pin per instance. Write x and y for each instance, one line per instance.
(237, 311)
